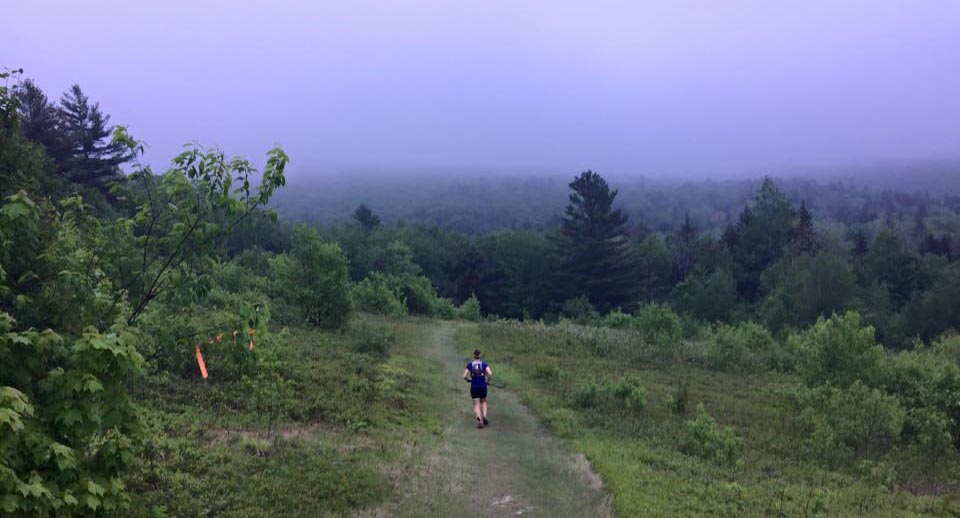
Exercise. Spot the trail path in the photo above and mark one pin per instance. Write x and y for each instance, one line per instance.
(511, 468)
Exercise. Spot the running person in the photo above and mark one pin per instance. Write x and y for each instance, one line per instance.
(478, 373)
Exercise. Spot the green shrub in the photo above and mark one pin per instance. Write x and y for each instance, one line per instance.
(677, 402)
(317, 280)
(626, 394)
(838, 350)
(706, 439)
(419, 294)
(376, 295)
(470, 309)
(746, 346)
(660, 327)
(617, 319)
(443, 308)
(544, 371)
(838, 425)
(580, 310)
(587, 394)
(371, 340)
(631, 394)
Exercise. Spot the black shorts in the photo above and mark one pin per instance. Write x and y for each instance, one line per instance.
(478, 392)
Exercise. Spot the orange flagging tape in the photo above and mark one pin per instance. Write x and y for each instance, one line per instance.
(252, 333)
(203, 367)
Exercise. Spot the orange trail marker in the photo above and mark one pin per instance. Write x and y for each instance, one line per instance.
(203, 367)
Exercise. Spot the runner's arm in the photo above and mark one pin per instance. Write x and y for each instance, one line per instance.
(489, 372)
(466, 374)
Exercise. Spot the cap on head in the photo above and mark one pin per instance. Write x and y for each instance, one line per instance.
(476, 353)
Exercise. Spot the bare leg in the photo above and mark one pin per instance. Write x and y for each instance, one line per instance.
(476, 409)
(483, 408)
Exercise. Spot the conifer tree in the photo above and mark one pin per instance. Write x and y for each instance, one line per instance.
(91, 159)
(684, 248)
(366, 218)
(759, 238)
(598, 258)
(806, 237)
(39, 120)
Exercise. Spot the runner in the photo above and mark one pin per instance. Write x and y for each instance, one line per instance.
(478, 373)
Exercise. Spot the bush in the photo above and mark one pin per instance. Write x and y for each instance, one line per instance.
(838, 350)
(660, 327)
(371, 340)
(470, 309)
(580, 310)
(706, 439)
(444, 308)
(420, 295)
(317, 280)
(376, 295)
(840, 424)
(626, 394)
(747, 346)
(677, 402)
(617, 319)
(69, 433)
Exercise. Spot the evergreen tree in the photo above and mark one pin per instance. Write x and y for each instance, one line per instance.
(762, 232)
(598, 259)
(39, 120)
(684, 248)
(91, 159)
(367, 219)
(860, 245)
(806, 238)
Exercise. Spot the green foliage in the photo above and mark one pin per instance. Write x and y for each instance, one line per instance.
(763, 230)
(182, 214)
(443, 308)
(747, 346)
(598, 259)
(420, 295)
(677, 402)
(711, 297)
(580, 310)
(837, 426)
(706, 439)
(69, 429)
(318, 280)
(377, 294)
(372, 340)
(660, 327)
(804, 288)
(625, 395)
(470, 309)
(837, 350)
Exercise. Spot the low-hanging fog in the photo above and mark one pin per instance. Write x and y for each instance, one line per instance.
(672, 88)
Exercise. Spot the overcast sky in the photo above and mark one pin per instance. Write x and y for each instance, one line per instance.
(652, 88)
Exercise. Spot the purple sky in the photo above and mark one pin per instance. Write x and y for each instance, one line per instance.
(673, 87)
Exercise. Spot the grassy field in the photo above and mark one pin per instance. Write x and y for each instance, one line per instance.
(328, 424)
(639, 449)
(372, 422)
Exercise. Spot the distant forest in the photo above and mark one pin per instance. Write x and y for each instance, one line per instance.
(479, 204)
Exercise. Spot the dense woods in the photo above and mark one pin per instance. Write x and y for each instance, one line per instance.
(115, 279)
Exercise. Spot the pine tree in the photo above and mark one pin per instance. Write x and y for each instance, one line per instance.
(598, 258)
(762, 232)
(367, 219)
(684, 248)
(92, 160)
(806, 237)
(860, 245)
(39, 120)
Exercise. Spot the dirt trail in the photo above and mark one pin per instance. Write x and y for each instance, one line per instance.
(512, 468)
